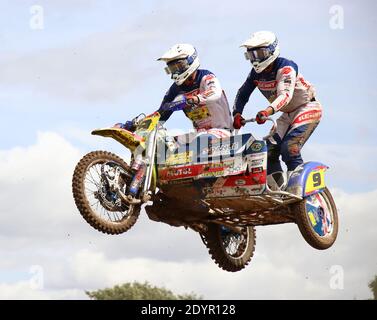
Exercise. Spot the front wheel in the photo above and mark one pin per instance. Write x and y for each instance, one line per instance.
(317, 219)
(99, 181)
(231, 250)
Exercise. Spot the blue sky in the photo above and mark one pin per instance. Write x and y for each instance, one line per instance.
(94, 64)
(339, 62)
(331, 59)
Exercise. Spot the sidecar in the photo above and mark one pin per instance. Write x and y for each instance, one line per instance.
(212, 182)
(210, 167)
(228, 174)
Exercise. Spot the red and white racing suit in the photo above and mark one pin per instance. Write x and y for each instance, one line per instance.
(213, 110)
(288, 92)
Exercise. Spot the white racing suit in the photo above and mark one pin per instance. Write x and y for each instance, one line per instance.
(288, 92)
(213, 110)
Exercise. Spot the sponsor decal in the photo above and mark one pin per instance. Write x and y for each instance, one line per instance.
(234, 191)
(222, 149)
(255, 163)
(209, 77)
(213, 166)
(308, 116)
(218, 169)
(148, 124)
(179, 158)
(304, 83)
(256, 146)
(257, 170)
(255, 160)
(240, 182)
(286, 70)
(208, 93)
(197, 113)
(267, 85)
(249, 180)
(312, 217)
(212, 174)
(197, 171)
(175, 173)
(235, 171)
(128, 138)
(282, 102)
(178, 182)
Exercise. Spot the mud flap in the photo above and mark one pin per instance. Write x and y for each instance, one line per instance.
(129, 139)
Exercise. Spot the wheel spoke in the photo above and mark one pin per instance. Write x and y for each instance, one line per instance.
(90, 179)
(235, 244)
(108, 213)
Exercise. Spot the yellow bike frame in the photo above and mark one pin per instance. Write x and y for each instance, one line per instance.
(133, 141)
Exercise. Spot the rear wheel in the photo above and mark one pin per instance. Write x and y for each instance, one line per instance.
(317, 219)
(231, 250)
(98, 181)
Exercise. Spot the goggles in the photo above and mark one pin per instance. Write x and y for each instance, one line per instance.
(258, 54)
(177, 66)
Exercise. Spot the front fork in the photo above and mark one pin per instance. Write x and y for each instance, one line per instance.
(144, 166)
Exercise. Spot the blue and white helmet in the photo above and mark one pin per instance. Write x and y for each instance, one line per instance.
(261, 49)
(182, 61)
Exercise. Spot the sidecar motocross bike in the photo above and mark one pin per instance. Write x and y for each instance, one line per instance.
(210, 182)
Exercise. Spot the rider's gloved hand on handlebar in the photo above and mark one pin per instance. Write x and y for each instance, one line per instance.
(238, 121)
(262, 116)
(128, 125)
(193, 100)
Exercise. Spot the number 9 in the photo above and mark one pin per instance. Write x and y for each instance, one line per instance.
(317, 180)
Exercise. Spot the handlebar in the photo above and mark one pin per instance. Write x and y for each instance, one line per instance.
(175, 105)
(273, 129)
(169, 106)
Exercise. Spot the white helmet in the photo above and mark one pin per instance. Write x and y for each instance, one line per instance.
(182, 61)
(262, 49)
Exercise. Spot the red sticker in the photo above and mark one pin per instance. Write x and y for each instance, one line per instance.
(286, 70)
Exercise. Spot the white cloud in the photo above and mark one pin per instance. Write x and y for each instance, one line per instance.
(39, 225)
(351, 166)
(34, 183)
(101, 67)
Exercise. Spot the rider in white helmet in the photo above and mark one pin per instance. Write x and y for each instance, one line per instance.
(288, 92)
(207, 104)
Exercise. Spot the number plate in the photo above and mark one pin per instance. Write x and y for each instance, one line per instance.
(315, 181)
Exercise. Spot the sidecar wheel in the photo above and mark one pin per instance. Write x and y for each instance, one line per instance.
(230, 250)
(103, 209)
(317, 219)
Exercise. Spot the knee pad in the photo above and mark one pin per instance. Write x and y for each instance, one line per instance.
(290, 149)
